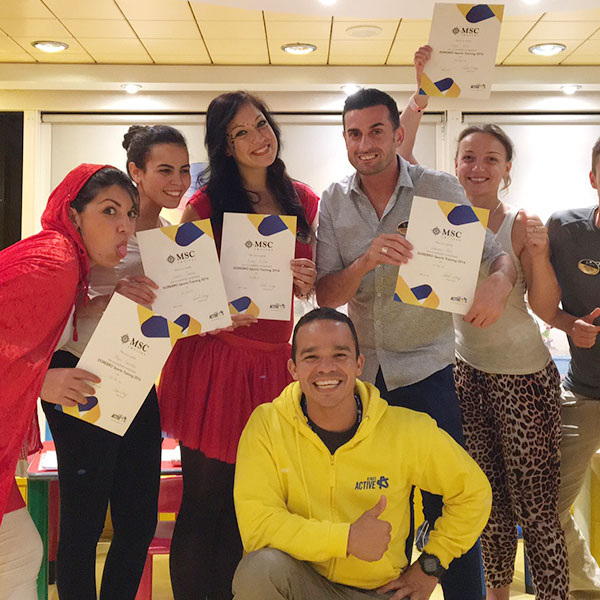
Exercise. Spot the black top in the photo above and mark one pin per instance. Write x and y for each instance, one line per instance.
(334, 439)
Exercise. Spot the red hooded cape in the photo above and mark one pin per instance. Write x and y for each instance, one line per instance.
(40, 279)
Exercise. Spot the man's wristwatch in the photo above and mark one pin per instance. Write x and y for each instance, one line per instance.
(431, 565)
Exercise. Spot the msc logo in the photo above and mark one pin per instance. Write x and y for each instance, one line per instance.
(448, 233)
(181, 256)
(124, 339)
(372, 483)
(248, 244)
(139, 345)
(466, 30)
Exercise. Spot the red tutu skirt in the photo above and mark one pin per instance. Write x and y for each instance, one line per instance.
(210, 386)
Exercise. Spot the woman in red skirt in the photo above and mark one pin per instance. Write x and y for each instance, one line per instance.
(211, 384)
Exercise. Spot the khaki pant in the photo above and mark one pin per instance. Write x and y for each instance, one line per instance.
(270, 574)
(580, 440)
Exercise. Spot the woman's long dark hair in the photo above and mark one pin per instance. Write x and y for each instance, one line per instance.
(225, 187)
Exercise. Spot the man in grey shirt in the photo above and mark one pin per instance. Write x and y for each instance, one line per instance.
(409, 350)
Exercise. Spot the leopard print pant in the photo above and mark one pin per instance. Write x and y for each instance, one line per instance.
(512, 429)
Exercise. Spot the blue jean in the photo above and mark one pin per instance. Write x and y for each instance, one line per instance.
(436, 396)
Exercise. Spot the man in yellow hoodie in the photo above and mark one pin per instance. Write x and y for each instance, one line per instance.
(323, 479)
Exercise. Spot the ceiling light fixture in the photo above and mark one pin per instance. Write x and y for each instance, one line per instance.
(350, 88)
(49, 46)
(298, 48)
(132, 88)
(547, 49)
(328, 2)
(364, 31)
(570, 88)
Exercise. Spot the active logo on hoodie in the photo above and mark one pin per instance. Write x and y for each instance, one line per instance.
(373, 483)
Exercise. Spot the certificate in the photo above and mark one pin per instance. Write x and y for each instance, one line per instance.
(464, 38)
(255, 261)
(127, 351)
(448, 242)
(182, 260)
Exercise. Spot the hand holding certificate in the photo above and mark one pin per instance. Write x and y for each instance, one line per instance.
(464, 38)
(127, 352)
(182, 260)
(448, 243)
(255, 261)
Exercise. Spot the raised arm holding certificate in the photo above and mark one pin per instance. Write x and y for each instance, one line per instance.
(255, 261)
(464, 38)
(448, 243)
(182, 260)
(127, 352)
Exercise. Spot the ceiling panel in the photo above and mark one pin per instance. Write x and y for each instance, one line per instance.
(234, 31)
(579, 15)
(101, 48)
(166, 29)
(360, 52)
(563, 30)
(154, 10)
(211, 12)
(586, 54)
(177, 47)
(515, 30)
(414, 30)
(24, 9)
(37, 28)
(299, 31)
(505, 47)
(84, 9)
(89, 28)
(521, 55)
(228, 52)
(403, 52)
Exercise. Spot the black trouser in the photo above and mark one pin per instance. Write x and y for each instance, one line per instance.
(436, 396)
(96, 467)
(206, 546)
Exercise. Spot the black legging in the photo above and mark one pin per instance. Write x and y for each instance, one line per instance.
(95, 467)
(206, 546)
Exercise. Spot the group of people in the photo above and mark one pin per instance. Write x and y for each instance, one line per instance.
(320, 485)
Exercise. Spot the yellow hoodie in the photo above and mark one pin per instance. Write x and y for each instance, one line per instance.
(292, 494)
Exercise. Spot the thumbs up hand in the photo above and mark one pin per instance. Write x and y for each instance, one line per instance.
(369, 535)
(584, 332)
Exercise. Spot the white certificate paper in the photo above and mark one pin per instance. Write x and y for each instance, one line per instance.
(127, 351)
(256, 251)
(464, 38)
(182, 260)
(448, 243)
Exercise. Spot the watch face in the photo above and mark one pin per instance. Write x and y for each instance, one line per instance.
(430, 565)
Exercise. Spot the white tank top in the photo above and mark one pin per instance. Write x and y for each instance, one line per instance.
(513, 344)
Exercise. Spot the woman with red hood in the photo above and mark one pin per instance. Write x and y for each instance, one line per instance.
(88, 220)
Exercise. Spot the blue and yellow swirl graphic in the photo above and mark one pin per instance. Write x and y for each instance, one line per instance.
(421, 295)
(88, 412)
(187, 233)
(268, 225)
(243, 305)
(463, 214)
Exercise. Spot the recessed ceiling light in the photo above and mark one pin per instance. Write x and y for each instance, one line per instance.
(132, 88)
(298, 48)
(350, 88)
(570, 88)
(547, 49)
(50, 46)
(328, 2)
(364, 31)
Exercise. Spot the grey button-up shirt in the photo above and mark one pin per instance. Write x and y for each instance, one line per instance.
(408, 342)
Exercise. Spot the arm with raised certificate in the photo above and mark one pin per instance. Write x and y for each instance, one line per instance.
(127, 352)
(256, 251)
(448, 243)
(464, 38)
(182, 260)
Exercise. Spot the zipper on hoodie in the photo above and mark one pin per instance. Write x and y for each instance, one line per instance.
(333, 562)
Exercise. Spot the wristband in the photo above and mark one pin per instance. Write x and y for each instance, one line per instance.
(414, 106)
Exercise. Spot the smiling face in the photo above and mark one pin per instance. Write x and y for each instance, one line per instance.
(105, 224)
(165, 176)
(481, 166)
(371, 139)
(326, 366)
(250, 139)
